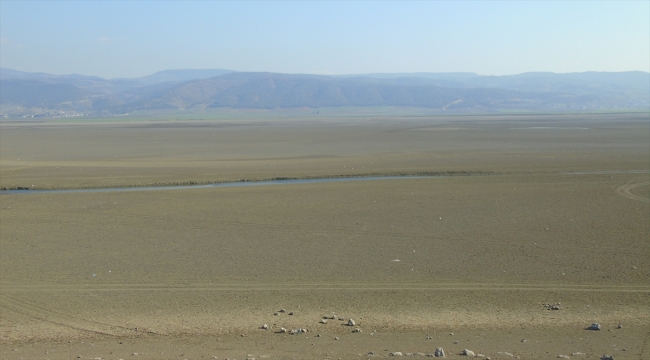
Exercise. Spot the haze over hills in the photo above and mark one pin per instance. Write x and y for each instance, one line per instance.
(24, 94)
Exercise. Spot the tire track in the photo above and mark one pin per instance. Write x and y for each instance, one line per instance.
(15, 288)
(626, 190)
(65, 320)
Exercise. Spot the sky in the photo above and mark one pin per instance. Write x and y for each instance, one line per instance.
(114, 39)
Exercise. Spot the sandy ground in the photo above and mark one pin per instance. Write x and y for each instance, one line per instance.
(178, 274)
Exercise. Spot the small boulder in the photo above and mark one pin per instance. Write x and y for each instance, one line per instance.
(607, 357)
(357, 330)
(351, 322)
(469, 353)
(396, 353)
(440, 352)
(323, 321)
(265, 327)
(594, 326)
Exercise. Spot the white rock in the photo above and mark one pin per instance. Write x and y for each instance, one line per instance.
(468, 353)
(323, 321)
(563, 357)
(396, 353)
(265, 327)
(440, 352)
(577, 353)
(351, 322)
(283, 330)
(357, 330)
(505, 353)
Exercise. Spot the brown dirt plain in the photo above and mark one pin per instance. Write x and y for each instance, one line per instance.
(557, 211)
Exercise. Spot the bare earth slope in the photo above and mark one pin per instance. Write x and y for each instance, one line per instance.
(557, 212)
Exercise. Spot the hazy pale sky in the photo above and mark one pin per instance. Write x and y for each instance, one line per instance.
(129, 39)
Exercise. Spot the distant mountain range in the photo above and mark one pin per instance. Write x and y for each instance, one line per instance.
(40, 94)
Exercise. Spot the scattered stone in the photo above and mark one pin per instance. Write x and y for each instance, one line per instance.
(357, 330)
(556, 306)
(440, 352)
(594, 326)
(563, 357)
(607, 357)
(291, 313)
(371, 353)
(265, 327)
(396, 353)
(620, 326)
(283, 330)
(455, 342)
(468, 353)
(276, 314)
(283, 310)
(336, 338)
(135, 354)
(323, 321)
(351, 322)
(577, 354)
(333, 317)
(409, 354)
(505, 353)
(341, 319)
(317, 335)
(523, 340)
(451, 334)
(428, 337)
